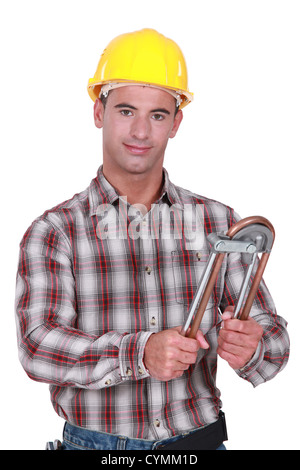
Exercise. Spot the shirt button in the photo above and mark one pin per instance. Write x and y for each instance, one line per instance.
(148, 269)
(128, 372)
(157, 423)
(108, 382)
(153, 321)
(141, 371)
(199, 255)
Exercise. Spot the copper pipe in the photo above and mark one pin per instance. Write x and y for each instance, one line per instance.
(254, 286)
(254, 219)
(206, 295)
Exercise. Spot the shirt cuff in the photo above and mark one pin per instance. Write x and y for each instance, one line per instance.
(131, 353)
(247, 370)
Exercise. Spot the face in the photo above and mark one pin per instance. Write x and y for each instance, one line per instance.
(137, 123)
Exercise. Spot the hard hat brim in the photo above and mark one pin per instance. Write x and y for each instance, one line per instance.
(94, 88)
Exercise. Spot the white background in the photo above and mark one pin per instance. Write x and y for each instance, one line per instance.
(238, 143)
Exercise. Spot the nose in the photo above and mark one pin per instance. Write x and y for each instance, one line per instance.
(140, 128)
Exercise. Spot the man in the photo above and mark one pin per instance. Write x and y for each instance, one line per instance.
(106, 279)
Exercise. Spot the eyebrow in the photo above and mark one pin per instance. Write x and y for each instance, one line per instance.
(125, 105)
(158, 110)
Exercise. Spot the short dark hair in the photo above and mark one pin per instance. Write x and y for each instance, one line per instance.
(103, 99)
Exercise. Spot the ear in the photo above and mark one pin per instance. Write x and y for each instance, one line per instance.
(98, 113)
(177, 121)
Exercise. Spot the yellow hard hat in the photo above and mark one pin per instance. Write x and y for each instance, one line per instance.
(146, 57)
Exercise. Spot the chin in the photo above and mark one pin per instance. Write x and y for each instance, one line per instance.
(137, 167)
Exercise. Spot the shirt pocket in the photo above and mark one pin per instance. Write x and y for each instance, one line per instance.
(188, 268)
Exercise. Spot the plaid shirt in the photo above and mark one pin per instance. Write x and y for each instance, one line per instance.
(96, 278)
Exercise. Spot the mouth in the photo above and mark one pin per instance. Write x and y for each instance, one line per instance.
(137, 149)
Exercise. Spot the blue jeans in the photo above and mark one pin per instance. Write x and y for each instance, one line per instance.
(76, 438)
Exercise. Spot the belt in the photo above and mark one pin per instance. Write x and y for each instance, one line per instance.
(208, 438)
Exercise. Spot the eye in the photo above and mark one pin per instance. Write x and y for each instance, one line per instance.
(158, 117)
(126, 112)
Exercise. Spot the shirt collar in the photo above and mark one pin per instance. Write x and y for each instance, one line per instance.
(102, 192)
(170, 191)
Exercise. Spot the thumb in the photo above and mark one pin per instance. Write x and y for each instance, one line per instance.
(202, 341)
(228, 313)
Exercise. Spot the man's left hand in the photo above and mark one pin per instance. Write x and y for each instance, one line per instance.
(238, 339)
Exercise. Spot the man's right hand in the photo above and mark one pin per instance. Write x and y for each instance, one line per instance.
(168, 354)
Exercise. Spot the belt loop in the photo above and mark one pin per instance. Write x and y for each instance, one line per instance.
(121, 442)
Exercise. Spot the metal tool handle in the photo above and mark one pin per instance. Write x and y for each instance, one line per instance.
(204, 299)
(243, 226)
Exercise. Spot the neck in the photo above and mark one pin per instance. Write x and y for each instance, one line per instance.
(137, 188)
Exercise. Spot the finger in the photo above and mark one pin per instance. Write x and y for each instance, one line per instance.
(234, 361)
(187, 358)
(200, 339)
(226, 316)
(248, 327)
(232, 344)
(181, 366)
(187, 344)
(234, 324)
(232, 337)
(229, 308)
